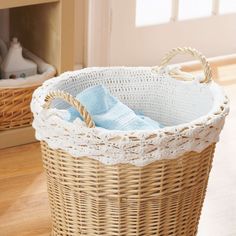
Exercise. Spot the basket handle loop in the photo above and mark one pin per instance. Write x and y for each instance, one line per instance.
(73, 102)
(193, 52)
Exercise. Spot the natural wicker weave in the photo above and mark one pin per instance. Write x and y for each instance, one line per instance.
(193, 52)
(72, 101)
(89, 198)
(16, 95)
(15, 107)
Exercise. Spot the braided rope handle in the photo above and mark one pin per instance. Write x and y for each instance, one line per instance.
(193, 52)
(73, 102)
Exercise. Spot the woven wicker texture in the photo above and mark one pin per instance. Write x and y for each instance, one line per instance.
(72, 101)
(16, 95)
(90, 198)
(15, 107)
(193, 52)
(130, 183)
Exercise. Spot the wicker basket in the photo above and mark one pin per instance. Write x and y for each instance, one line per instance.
(88, 197)
(15, 101)
(15, 107)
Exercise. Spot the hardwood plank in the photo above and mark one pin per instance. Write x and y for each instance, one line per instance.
(24, 208)
(28, 161)
(14, 137)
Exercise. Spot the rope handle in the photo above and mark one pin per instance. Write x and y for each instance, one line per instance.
(193, 52)
(73, 102)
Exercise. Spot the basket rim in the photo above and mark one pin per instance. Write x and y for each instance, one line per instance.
(222, 109)
(121, 146)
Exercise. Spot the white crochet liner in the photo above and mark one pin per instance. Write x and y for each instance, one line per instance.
(193, 112)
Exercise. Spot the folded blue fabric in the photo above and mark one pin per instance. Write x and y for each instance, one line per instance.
(109, 113)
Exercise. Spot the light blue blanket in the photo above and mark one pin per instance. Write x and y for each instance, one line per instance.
(109, 113)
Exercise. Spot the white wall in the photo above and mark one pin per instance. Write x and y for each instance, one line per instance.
(146, 45)
(124, 44)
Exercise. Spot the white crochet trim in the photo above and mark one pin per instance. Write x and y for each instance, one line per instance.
(193, 112)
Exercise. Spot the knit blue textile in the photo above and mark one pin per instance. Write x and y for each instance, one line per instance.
(109, 113)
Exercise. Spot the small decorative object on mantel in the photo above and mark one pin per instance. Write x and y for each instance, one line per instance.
(14, 65)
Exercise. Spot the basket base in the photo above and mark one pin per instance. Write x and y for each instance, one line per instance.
(89, 198)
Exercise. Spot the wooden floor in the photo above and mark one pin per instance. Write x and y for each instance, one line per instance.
(24, 209)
